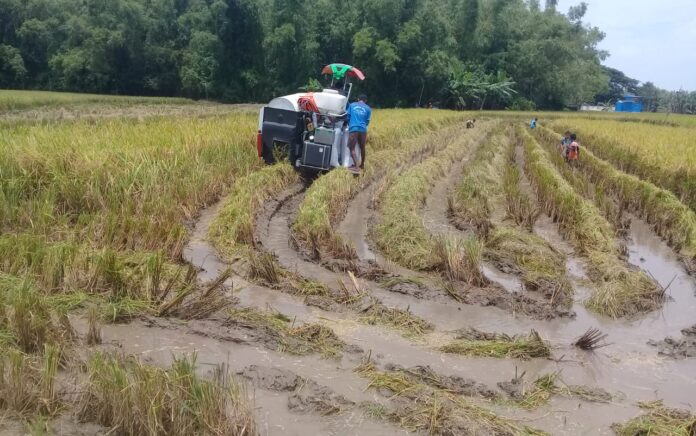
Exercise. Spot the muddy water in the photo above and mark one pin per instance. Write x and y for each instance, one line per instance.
(436, 221)
(357, 221)
(628, 367)
(159, 346)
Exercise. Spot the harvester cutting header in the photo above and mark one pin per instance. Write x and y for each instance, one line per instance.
(311, 128)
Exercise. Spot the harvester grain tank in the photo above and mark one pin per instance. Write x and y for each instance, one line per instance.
(310, 128)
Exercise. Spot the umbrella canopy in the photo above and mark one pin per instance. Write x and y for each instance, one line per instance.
(338, 71)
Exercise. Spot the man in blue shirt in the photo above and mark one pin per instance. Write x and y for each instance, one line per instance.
(359, 114)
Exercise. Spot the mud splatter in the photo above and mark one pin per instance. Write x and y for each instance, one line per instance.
(678, 348)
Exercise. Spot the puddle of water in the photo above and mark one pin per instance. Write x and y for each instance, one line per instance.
(629, 366)
(199, 253)
(356, 222)
(159, 346)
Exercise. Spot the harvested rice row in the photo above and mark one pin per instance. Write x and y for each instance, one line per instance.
(663, 155)
(264, 269)
(620, 290)
(672, 219)
(395, 139)
(658, 420)
(509, 247)
(400, 233)
(422, 408)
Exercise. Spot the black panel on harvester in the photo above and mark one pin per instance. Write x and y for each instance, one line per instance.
(316, 155)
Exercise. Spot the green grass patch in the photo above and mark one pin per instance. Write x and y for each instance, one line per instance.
(16, 99)
(234, 225)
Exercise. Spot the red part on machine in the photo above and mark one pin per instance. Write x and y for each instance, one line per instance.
(307, 103)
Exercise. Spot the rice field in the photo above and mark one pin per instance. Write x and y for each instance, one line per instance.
(156, 278)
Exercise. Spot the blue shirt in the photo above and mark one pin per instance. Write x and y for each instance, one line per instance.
(359, 115)
(533, 124)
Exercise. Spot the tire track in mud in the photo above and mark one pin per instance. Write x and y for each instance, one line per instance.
(313, 408)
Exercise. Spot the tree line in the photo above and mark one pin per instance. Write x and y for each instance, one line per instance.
(654, 99)
(454, 53)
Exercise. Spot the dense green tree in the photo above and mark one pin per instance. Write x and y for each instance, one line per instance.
(619, 85)
(412, 51)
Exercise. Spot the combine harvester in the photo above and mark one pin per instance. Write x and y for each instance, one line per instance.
(310, 128)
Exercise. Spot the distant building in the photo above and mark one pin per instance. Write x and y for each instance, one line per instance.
(629, 103)
(595, 108)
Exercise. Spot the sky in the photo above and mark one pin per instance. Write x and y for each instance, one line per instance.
(649, 40)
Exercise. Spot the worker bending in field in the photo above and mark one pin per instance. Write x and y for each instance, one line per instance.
(573, 153)
(470, 123)
(359, 115)
(533, 123)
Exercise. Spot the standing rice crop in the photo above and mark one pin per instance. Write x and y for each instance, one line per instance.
(396, 137)
(672, 220)
(487, 182)
(400, 233)
(663, 155)
(620, 290)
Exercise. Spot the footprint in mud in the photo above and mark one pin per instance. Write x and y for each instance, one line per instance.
(678, 348)
(307, 395)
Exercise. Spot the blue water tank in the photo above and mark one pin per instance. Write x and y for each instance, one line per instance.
(629, 103)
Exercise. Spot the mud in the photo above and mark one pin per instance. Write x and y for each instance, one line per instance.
(451, 383)
(678, 348)
(312, 397)
(307, 395)
(61, 425)
(272, 379)
(513, 388)
(629, 366)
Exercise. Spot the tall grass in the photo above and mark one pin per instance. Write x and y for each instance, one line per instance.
(620, 290)
(100, 208)
(119, 183)
(16, 99)
(137, 399)
(663, 155)
(672, 219)
(397, 136)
